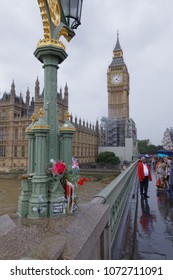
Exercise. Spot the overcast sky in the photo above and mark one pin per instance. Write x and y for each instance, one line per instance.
(146, 37)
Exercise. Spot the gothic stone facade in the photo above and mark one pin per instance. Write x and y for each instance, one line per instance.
(15, 116)
(167, 140)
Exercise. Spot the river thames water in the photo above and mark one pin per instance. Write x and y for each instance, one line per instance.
(10, 190)
(9, 193)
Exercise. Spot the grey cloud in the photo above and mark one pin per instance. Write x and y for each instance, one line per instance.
(146, 32)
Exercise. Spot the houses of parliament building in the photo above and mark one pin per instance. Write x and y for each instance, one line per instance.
(118, 130)
(15, 116)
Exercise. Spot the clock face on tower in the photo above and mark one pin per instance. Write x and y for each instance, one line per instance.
(117, 79)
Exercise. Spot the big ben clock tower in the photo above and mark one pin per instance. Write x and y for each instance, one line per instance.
(118, 133)
(118, 85)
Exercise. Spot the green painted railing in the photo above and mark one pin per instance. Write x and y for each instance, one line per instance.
(116, 194)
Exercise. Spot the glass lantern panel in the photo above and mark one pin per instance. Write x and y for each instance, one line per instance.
(74, 8)
(72, 11)
(66, 7)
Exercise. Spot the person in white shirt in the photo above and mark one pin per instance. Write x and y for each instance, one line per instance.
(144, 176)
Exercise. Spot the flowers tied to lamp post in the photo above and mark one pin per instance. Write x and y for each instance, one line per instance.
(70, 180)
(58, 168)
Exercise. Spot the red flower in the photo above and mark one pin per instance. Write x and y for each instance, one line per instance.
(81, 181)
(58, 168)
(85, 179)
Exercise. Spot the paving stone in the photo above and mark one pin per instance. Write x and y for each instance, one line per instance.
(6, 224)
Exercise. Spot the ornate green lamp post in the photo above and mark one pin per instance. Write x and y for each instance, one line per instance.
(59, 18)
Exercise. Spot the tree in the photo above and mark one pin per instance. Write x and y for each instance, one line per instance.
(107, 158)
(144, 147)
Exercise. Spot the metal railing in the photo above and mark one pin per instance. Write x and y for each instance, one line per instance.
(116, 194)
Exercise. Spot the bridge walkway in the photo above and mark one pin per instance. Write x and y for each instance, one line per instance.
(154, 225)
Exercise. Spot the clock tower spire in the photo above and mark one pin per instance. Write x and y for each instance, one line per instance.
(117, 46)
(118, 85)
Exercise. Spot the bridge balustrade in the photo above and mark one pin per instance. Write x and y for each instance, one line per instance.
(118, 195)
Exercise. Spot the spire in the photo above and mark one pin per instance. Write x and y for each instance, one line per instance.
(97, 124)
(66, 94)
(13, 87)
(37, 89)
(28, 92)
(27, 97)
(71, 118)
(117, 54)
(66, 89)
(13, 93)
(60, 94)
(117, 46)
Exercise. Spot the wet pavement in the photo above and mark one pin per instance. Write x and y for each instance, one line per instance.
(154, 235)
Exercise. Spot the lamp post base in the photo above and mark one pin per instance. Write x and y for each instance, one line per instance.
(38, 203)
(24, 197)
(57, 200)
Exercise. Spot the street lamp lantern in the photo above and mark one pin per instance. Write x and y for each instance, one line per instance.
(72, 10)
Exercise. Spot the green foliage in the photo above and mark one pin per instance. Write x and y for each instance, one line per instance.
(108, 158)
(145, 148)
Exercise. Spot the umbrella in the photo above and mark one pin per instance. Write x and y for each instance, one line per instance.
(161, 155)
(165, 152)
(147, 156)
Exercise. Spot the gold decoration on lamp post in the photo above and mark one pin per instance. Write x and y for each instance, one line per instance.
(68, 116)
(33, 117)
(54, 12)
(54, 24)
(41, 113)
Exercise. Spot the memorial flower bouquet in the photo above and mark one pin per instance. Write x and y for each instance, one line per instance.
(70, 180)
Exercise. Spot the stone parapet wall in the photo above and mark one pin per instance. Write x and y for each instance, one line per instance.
(65, 238)
(93, 241)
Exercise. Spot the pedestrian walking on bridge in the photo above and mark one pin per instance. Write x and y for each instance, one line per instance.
(144, 175)
(161, 174)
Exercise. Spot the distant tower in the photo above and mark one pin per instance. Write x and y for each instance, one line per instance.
(27, 101)
(37, 90)
(13, 93)
(66, 93)
(12, 112)
(38, 98)
(118, 85)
